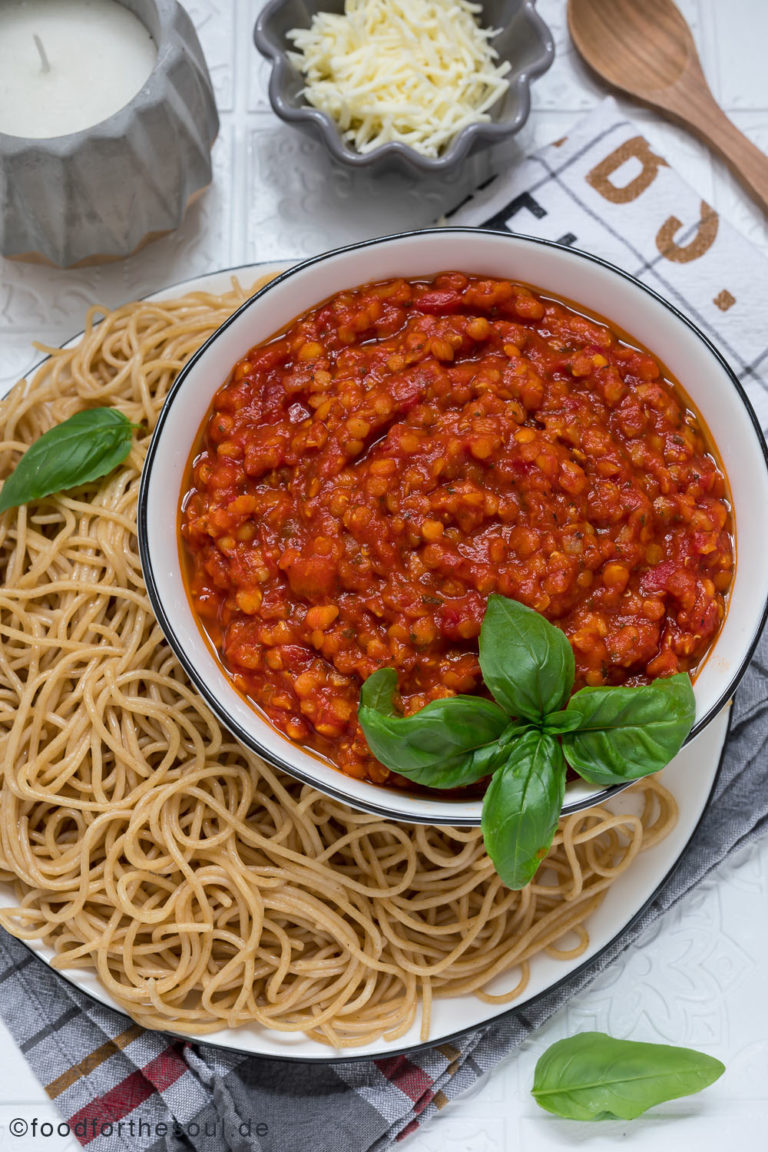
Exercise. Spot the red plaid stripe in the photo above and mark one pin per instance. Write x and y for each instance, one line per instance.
(408, 1129)
(413, 1081)
(119, 1101)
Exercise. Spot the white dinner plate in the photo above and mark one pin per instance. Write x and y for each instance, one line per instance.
(690, 777)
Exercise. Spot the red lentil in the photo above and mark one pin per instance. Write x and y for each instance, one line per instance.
(366, 479)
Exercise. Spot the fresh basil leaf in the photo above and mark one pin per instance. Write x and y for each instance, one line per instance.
(377, 691)
(482, 762)
(487, 759)
(522, 805)
(432, 747)
(527, 663)
(513, 730)
(593, 1076)
(626, 733)
(559, 722)
(86, 446)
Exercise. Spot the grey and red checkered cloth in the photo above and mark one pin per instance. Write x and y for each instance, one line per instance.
(119, 1086)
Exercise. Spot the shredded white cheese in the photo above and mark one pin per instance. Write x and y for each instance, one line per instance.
(412, 70)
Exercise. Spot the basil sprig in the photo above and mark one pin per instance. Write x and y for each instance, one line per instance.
(527, 738)
(593, 1076)
(83, 448)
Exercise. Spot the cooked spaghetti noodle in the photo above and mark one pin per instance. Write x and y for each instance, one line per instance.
(205, 888)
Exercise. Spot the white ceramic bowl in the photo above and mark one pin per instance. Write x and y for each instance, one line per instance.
(598, 287)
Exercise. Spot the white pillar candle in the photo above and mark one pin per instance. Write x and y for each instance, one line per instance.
(98, 53)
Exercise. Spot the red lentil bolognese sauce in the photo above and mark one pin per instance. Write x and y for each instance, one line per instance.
(366, 479)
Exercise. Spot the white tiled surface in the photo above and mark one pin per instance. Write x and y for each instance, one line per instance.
(700, 976)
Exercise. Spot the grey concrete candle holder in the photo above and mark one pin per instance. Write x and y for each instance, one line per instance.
(100, 194)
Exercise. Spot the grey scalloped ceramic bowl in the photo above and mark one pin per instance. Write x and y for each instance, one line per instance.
(524, 40)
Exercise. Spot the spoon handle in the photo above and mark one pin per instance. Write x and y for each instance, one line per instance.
(745, 160)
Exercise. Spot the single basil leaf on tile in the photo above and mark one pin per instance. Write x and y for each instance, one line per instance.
(593, 1076)
(83, 448)
(527, 663)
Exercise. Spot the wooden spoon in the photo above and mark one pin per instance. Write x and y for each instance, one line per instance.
(645, 48)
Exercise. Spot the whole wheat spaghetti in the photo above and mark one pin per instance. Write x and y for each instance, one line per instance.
(207, 889)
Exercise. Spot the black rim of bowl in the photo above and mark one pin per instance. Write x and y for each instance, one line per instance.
(230, 723)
